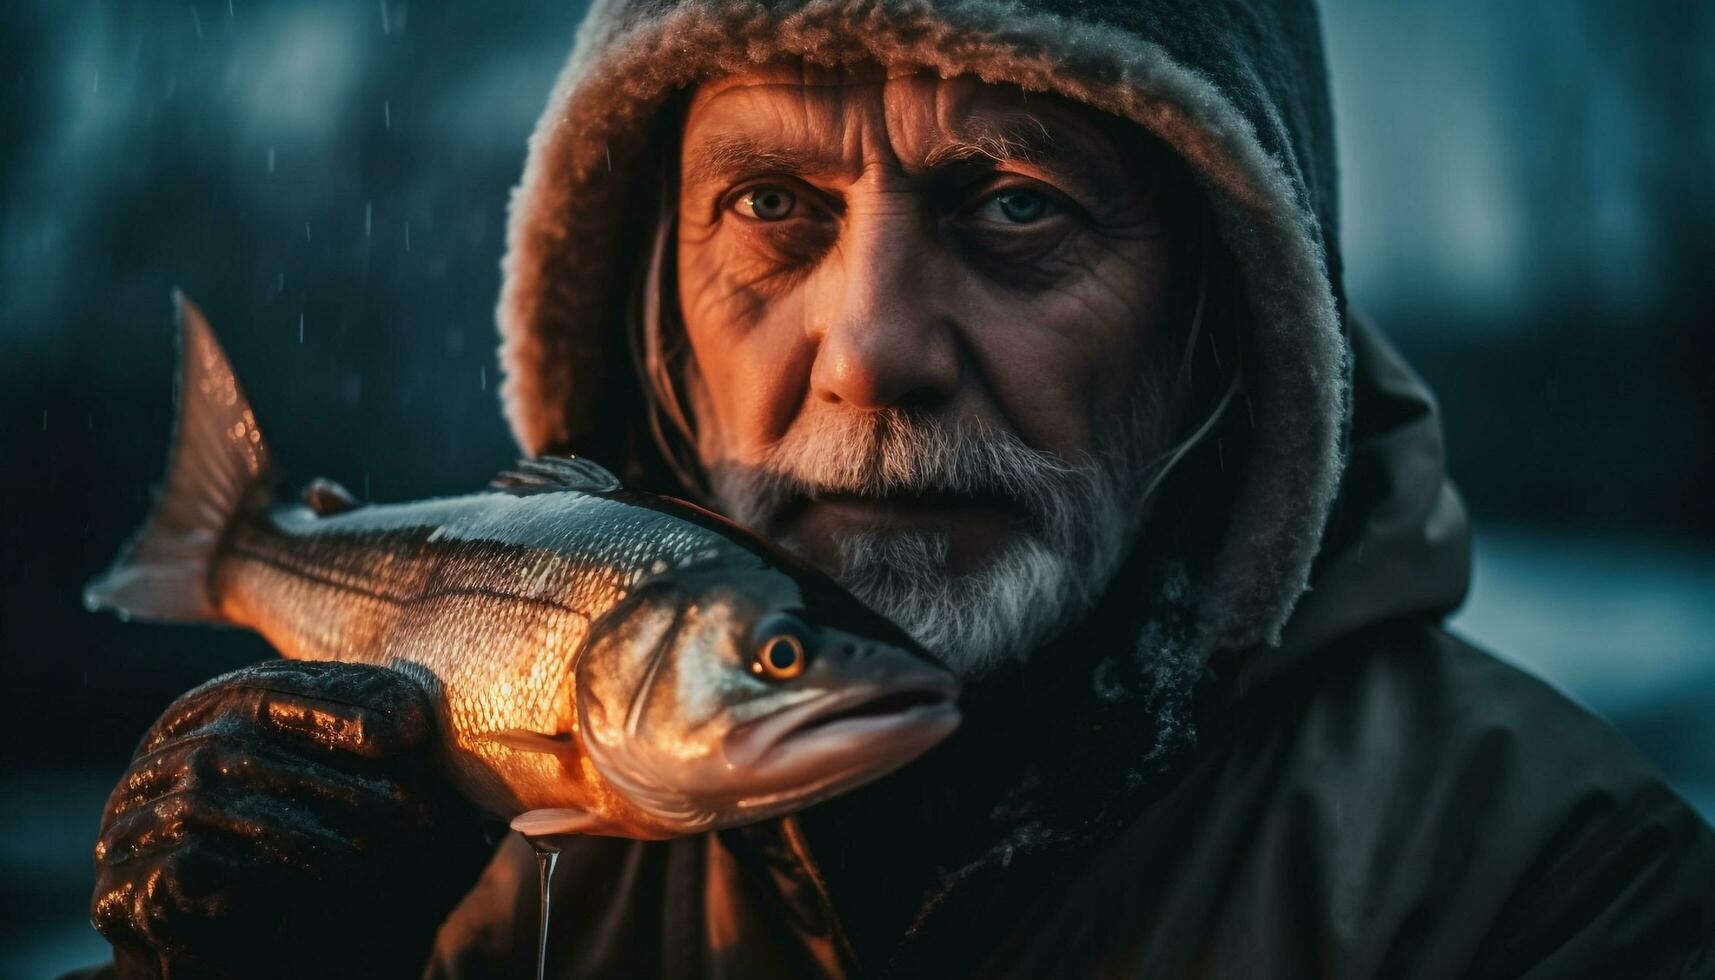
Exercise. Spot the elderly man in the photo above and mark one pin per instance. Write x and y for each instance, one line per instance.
(1026, 322)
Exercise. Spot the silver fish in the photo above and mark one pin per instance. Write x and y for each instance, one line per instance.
(602, 660)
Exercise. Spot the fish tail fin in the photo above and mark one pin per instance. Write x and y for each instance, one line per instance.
(217, 468)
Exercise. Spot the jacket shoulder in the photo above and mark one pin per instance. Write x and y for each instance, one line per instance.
(1578, 859)
(1410, 697)
(1404, 805)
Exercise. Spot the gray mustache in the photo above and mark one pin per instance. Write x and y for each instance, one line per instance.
(895, 452)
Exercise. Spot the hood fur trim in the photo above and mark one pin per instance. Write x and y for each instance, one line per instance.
(562, 304)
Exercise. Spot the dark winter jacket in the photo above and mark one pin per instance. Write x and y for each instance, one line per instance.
(1353, 792)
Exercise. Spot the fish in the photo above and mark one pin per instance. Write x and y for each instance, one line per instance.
(601, 660)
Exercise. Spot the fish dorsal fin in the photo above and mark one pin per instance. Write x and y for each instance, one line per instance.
(546, 474)
(327, 498)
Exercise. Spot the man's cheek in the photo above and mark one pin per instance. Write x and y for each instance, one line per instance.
(1090, 337)
(753, 381)
(769, 391)
(1041, 371)
(743, 268)
(719, 294)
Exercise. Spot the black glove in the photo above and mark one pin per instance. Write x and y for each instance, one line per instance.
(285, 819)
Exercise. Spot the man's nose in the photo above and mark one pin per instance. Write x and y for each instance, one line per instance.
(885, 338)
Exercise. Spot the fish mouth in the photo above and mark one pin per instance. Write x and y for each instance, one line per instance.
(837, 741)
(870, 707)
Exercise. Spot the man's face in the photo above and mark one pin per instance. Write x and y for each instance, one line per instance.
(918, 311)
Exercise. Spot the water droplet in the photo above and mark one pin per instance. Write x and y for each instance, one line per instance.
(270, 159)
(546, 860)
(386, 114)
(368, 218)
(300, 312)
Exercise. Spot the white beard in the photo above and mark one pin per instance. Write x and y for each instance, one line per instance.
(1082, 521)
(1000, 611)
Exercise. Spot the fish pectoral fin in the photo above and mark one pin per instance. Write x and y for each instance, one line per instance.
(559, 822)
(548, 474)
(525, 740)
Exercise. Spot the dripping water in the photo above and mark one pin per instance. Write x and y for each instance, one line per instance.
(547, 856)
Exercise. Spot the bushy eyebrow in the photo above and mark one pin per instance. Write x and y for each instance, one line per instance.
(1025, 138)
(1090, 168)
(722, 156)
(1022, 139)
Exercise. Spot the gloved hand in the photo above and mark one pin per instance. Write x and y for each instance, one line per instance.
(285, 819)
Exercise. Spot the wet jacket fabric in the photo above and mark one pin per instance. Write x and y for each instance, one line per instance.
(1350, 791)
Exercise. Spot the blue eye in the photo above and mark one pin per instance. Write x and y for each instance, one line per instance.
(1016, 206)
(768, 203)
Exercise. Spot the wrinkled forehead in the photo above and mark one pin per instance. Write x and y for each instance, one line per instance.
(836, 122)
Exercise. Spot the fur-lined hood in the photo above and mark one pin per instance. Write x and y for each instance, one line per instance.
(1236, 88)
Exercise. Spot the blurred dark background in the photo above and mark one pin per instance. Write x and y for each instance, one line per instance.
(1527, 212)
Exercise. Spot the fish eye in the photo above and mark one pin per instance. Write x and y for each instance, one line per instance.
(781, 658)
(780, 650)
